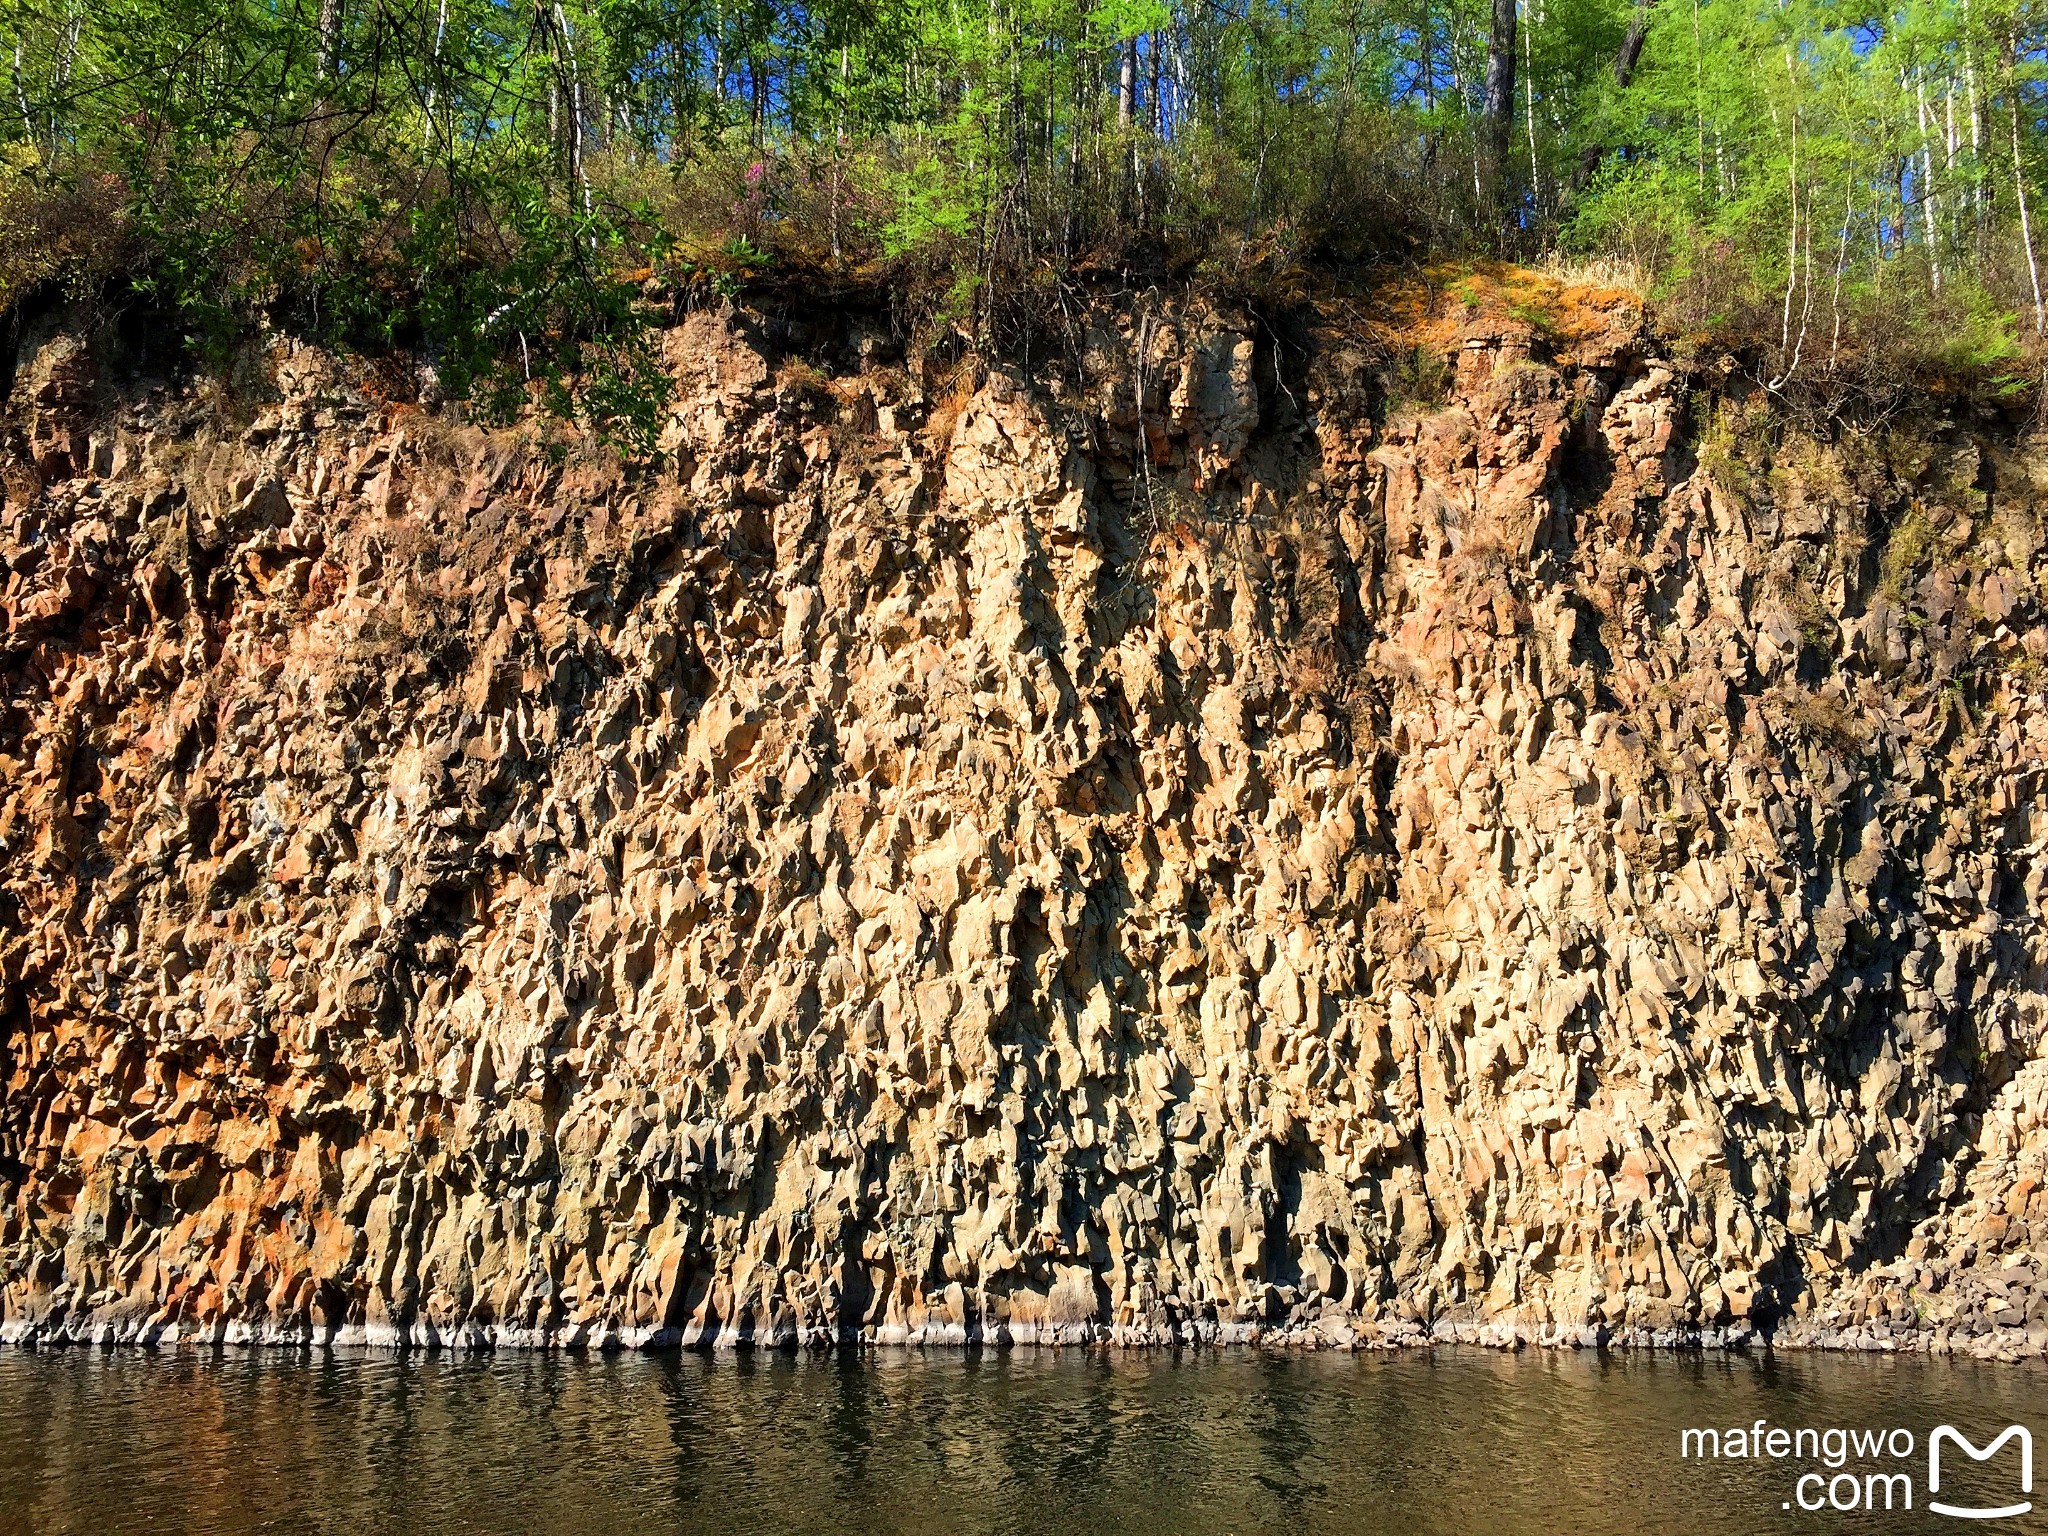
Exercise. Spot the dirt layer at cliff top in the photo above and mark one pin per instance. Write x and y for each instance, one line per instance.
(1366, 829)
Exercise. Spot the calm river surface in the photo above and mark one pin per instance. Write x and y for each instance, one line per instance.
(1459, 1441)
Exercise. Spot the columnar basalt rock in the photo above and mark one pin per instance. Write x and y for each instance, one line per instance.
(1182, 850)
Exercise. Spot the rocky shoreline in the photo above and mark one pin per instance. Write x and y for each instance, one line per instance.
(1974, 1339)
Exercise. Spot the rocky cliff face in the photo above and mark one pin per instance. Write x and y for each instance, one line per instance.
(1176, 848)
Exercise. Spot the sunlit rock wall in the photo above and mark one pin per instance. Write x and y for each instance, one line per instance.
(1183, 845)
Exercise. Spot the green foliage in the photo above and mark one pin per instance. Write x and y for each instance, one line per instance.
(1915, 544)
(1734, 449)
(932, 208)
(1421, 376)
(53, 230)
(1839, 191)
(1836, 185)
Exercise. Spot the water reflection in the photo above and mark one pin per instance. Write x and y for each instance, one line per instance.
(1414, 1444)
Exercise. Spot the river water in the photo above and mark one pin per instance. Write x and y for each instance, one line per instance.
(1458, 1441)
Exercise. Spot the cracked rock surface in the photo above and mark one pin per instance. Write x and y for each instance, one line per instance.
(1177, 847)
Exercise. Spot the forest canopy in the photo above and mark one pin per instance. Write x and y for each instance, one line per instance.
(1838, 185)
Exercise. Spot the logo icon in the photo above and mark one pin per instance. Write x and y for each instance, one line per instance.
(1950, 1432)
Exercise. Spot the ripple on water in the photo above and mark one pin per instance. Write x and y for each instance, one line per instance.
(1024, 1442)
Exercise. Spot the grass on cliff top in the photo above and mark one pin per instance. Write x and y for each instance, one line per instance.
(1420, 317)
(1435, 305)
